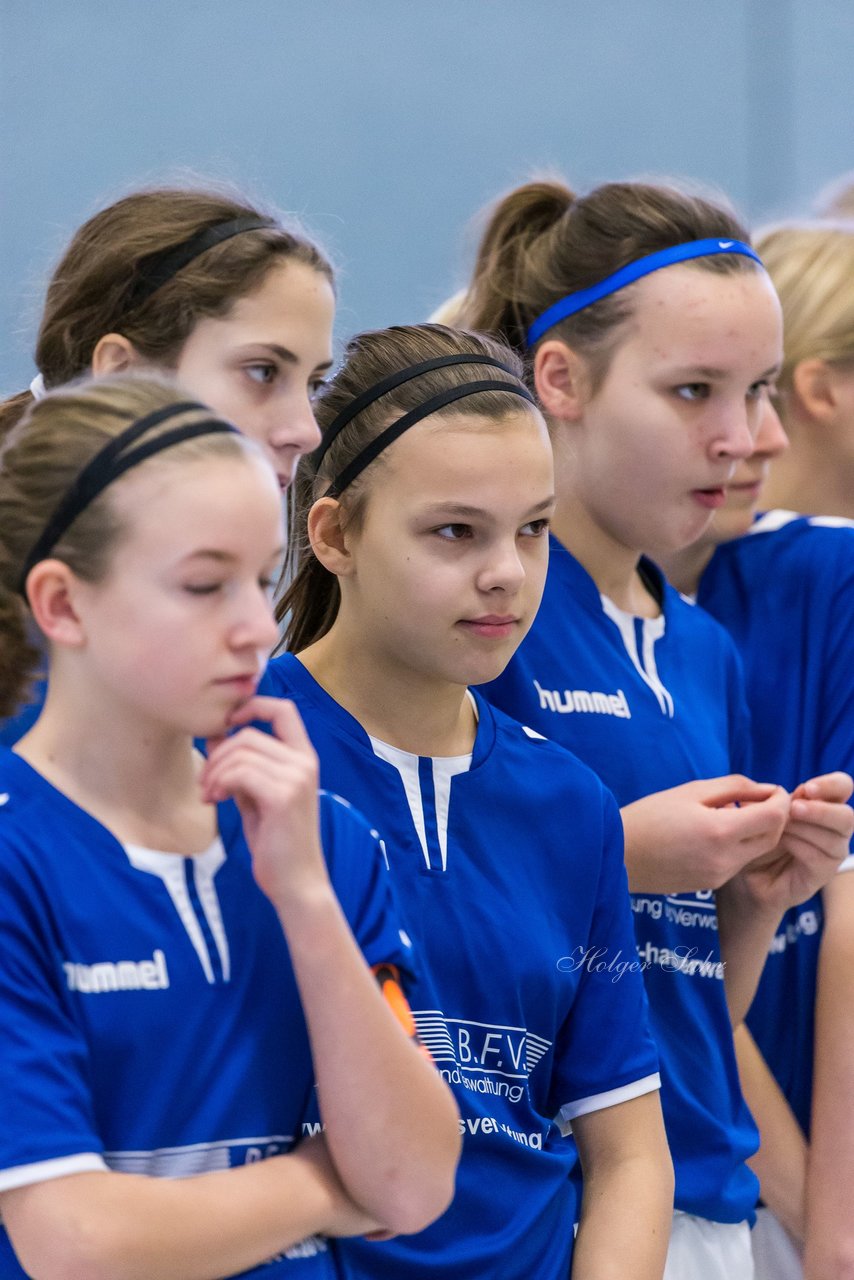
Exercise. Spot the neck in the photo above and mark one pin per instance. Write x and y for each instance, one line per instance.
(408, 710)
(810, 478)
(684, 569)
(137, 779)
(611, 565)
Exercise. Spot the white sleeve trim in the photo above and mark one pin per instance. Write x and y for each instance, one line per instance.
(847, 864)
(23, 1175)
(599, 1101)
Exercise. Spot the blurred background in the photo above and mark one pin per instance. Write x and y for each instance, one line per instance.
(385, 125)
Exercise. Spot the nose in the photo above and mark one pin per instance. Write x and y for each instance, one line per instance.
(255, 624)
(771, 438)
(297, 428)
(736, 433)
(503, 569)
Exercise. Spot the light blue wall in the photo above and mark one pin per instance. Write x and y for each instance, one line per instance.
(387, 123)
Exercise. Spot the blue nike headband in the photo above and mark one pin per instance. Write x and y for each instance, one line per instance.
(583, 298)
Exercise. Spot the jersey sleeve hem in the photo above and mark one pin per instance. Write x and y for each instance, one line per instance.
(599, 1101)
(23, 1175)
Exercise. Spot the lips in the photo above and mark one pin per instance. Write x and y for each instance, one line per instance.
(710, 498)
(497, 626)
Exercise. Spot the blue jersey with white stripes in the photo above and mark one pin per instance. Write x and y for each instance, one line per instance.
(151, 1019)
(785, 592)
(508, 866)
(651, 703)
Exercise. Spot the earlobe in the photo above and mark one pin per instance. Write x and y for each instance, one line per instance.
(562, 380)
(328, 537)
(114, 353)
(50, 591)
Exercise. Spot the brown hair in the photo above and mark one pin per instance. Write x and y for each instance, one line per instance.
(543, 242)
(310, 603)
(92, 289)
(40, 459)
(811, 265)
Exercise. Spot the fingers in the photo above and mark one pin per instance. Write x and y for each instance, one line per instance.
(758, 819)
(835, 787)
(281, 713)
(836, 819)
(733, 788)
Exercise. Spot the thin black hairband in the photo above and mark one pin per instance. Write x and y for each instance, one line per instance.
(157, 268)
(387, 437)
(382, 388)
(106, 466)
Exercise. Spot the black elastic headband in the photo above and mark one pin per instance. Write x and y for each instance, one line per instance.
(107, 465)
(387, 437)
(157, 268)
(388, 384)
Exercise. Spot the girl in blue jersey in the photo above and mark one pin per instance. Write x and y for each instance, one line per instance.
(783, 586)
(207, 287)
(177, 971)
(424, 522)
(651, 332)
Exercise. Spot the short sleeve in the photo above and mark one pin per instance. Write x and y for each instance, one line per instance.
(605, 1052)
(358, 869)
(48, 1127)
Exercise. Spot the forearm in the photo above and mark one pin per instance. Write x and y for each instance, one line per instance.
(780, 1163)
(627, 1204)
(830, 1166)
(391, 1122)
(115, 1226)
(746, 931)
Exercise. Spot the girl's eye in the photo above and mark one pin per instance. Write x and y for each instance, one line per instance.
(202, 588)
(454, 532)
(759, 388)
(315, 387)
(694, 391)
(535, 528)
(263, 372)
(267, 585)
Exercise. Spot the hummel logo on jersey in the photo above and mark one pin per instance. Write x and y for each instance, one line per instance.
(605, 704)
(121, 975)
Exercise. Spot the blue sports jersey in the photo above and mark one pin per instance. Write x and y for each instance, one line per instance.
(508, 866)
(785, 592)
(151, 1019)
(650, 703)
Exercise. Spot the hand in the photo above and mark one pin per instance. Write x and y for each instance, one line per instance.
(700, 834)
(274, 781)
(814, 841)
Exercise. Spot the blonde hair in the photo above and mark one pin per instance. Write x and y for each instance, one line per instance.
(811, 265)
(40, 460)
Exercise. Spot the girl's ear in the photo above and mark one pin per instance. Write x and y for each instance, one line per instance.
(114, 353)
(561, 380)
(51, 591)
(327, 537)
(814, 385)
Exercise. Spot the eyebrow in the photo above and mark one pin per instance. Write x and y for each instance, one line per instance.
(463, 509)
(288, 356)
(706, 371)
(223, 557)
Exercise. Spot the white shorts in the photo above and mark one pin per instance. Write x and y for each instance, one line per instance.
(776, 1257)
(704, 1250)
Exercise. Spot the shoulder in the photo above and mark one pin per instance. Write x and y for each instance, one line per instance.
(537, 765)
(818, 544)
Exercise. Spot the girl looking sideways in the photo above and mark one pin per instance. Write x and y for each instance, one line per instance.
(178, 972)
(783, 586)
(203, 286)
(424, 523)
(651, 332)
